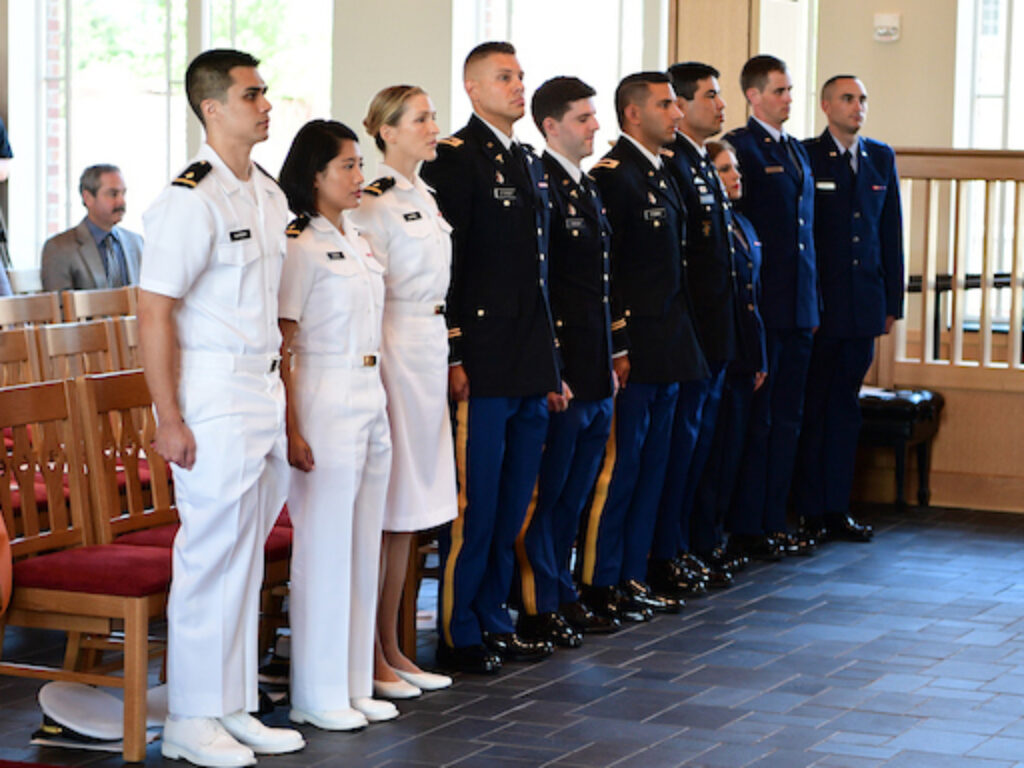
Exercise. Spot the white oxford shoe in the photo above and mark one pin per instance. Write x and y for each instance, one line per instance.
(375, 710)
(395, 689)
(425, 681)
(259, 738)
(333, 720)
(203, 741)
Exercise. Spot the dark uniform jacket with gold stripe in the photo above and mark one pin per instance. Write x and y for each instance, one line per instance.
(649, 289)
(499, 320)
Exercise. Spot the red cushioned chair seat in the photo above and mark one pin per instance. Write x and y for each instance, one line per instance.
(160, 536)
(100, 570)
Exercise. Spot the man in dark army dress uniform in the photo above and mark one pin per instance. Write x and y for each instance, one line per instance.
(651, 306)
(858, 239)
(579, 271)
(503, 359)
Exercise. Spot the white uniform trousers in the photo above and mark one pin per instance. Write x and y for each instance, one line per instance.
(336, 511)
(227, 504)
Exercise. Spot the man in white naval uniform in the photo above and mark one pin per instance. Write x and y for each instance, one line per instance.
(210, 341)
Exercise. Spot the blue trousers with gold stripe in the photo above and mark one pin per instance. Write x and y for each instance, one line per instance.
(621, 521)
(504, 438)
(572, 457)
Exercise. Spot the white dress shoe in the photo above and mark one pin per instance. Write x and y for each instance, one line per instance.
(425, 681)
(203, 741)
(396, 689)
(376, 711)
(333, 720)
(259, 738)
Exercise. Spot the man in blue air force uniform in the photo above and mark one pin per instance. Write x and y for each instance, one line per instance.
(858, 239)
(503, 358)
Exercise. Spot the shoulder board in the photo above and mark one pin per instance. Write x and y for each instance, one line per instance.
(265, 172)
(451, 141)
(665, 152)
(192, 175)
(380, 186)
(605, 162)
(294, 229)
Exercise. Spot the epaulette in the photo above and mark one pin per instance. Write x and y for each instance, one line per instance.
(294, 229)
(605, 162)
(192, 175)
(380, 186)
(452, 141)
(666, 152)
(265, 172)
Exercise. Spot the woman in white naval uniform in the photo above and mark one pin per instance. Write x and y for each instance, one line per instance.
(330, 307)
(411, 240)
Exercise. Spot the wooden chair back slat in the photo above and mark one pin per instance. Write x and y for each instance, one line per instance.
(73, 349)
(42, 454)
(19, 357)
(104, 302)
(34, 309)
(119, 425)
(128, 341)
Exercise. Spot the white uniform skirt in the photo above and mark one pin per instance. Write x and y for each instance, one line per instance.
(421, 491)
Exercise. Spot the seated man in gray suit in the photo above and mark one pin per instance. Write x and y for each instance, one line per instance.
(97, 253)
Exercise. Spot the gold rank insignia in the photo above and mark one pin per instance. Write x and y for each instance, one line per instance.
(667, 152)
(707, 228)
(499, 158)
(605, 162)
(572, 193)
(192, 175)
(451, 141)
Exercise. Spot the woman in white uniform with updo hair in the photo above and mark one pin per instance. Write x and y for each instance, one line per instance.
(410, 239)
(330, 310)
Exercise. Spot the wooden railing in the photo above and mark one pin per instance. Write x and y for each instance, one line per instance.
(963, 211)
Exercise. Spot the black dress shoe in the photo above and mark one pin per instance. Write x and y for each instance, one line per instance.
(470, 658)
(586, 622)
(762, 548)
(639, 594)
(548, 626)
(609, 603)
(712, 576)
(846, 528)
(718, 558)
(510, 647)
(665, 577)
(795, 544)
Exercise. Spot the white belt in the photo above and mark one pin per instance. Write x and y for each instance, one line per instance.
(221, 361)
(417, 308)
(336, 361)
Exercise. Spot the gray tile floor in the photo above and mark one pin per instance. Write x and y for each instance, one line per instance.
(905, 652)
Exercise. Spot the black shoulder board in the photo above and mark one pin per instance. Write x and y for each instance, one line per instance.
(192, 175)
(380, 186)
(297, 225)
(265, 172)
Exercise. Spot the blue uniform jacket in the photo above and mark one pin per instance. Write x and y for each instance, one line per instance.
(579, 269)
(858, 237)
(709, 269)
(499, 320)
(650, 298)
(751, 356)
(778, 198)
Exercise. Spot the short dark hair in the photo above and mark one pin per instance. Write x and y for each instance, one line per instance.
(631, 87)
(90, 178)
(484, 50)
(756, 70)
(208, 76)
(687, 74)
(554, 97)
(314, 146)
(831, 81)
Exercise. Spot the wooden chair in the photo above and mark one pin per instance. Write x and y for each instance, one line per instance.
(19, 357)
(34, 309)
(61, 582)
(105, 302)
(72, 349)
(128, 341)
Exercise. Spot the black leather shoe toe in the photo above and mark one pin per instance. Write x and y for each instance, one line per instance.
(510, 647)
(551, 627)
(847, 529)
(472, 658)
(585, 621)
(640, 594)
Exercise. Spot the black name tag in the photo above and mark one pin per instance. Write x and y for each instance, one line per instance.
(240, 234)
(505, 193)
(654, 214)
(335, 255)
(414, 216)
(574, 222)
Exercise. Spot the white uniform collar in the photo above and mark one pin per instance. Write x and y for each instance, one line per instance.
(505, 139)
(574, 171)
(654, 160)
(774, 132)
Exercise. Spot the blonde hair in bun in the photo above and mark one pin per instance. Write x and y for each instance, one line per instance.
(387, 108)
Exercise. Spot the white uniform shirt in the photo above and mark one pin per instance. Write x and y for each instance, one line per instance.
(334, 289)
(218, 247)
(409, 237)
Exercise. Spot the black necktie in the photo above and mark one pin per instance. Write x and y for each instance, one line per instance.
(849, 160)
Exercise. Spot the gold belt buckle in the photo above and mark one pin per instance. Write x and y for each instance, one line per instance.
(369, 361)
